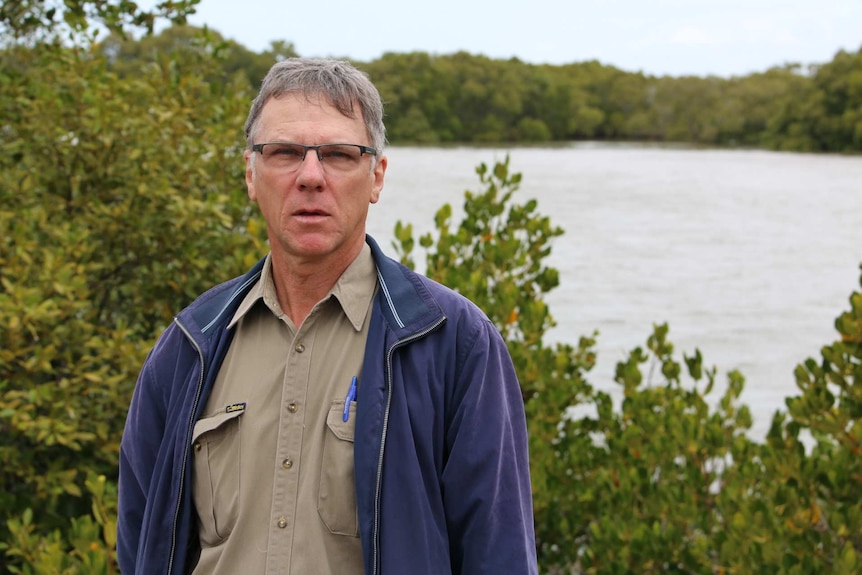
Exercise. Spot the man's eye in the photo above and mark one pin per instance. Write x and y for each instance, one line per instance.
(338, 153)
(286, 151)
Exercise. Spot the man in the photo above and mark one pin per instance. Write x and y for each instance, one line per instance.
(331, 412)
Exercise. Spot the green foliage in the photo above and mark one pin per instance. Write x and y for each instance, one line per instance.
(38, 20)
(223, 60)
(827, 116)
(828, 521)
(495, 255)
(466, 98)
(120, 200)
(105, 163)
(87, 545)
(648, 479)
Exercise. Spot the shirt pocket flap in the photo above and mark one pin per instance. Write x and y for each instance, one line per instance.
(207, 424)
(335, 420)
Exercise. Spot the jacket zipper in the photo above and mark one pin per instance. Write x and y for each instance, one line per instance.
(186, 447)
(376, 530)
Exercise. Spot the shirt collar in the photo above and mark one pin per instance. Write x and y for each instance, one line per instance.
(354, 290)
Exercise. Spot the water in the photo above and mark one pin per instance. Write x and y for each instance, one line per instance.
(748, 255)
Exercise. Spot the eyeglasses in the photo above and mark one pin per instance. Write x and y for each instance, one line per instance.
(287, 156)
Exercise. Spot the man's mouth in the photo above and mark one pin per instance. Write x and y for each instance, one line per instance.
(310, 213)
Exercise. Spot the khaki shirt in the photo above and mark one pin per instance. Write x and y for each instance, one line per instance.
(273, 482)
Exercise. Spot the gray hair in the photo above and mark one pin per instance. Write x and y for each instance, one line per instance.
(338, 81)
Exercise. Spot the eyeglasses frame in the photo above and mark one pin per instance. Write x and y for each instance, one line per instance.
(362, 149)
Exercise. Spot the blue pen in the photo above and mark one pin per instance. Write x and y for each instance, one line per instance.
(351, 396)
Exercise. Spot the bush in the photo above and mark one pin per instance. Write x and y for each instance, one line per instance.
(119, 202)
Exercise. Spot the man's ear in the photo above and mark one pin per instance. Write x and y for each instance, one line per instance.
(249, 175)
(378, 174)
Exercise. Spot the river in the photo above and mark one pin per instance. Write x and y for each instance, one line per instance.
(748, 255)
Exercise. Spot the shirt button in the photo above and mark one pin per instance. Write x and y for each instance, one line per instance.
(299, 348)
(287, 463)
(292, 407)
(197, 446)
(282, 523)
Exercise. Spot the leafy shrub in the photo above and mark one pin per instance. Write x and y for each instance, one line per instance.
(119, 202)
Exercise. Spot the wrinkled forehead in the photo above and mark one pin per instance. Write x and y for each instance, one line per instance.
(277, 106)
(309, 120)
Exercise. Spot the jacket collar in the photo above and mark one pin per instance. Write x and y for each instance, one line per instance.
(403, 299)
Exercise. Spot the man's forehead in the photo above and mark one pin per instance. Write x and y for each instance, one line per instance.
(283, 113)
(346, 108)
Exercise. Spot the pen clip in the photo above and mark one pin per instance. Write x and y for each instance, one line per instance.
(351, 396)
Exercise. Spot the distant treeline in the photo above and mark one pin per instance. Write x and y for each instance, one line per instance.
(459, 98)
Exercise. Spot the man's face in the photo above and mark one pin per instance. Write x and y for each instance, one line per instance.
(313, 214)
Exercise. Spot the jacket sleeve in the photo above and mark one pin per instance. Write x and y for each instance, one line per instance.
(139, 447)
(486, 476)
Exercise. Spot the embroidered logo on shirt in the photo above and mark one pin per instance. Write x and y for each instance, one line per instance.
(234, 407)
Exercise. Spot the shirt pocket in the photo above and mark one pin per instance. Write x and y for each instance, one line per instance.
(336, 503)
(215, 488)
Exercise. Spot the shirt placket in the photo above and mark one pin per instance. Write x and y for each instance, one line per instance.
(288, 452)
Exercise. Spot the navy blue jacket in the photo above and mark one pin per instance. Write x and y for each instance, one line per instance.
(440, 453)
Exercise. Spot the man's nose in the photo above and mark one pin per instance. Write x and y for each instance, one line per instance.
(310, 171)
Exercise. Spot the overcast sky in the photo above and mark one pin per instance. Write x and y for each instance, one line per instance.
(676, 37)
